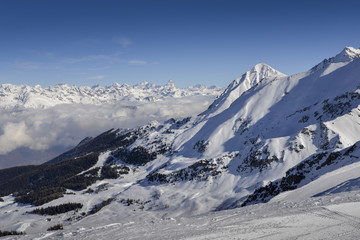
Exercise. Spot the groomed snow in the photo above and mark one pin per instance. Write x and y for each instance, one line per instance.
(330, 217)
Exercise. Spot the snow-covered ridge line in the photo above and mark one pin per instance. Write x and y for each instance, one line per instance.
(24, 96)
(259, 74)
(348, 54)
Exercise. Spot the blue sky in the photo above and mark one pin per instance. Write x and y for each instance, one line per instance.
(85, 42)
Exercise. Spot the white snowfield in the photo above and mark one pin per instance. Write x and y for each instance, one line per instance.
(299, 132)
(334, 216)
(290, 220)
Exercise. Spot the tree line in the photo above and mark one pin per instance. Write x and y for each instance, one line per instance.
(62, 208)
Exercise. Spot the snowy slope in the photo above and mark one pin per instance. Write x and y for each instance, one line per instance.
(334, 216)
(268, 138)
(271, 127)
(260, 74)
(23, 96)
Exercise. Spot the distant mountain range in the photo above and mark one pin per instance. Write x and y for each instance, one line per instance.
(267, 133)
(24, 96)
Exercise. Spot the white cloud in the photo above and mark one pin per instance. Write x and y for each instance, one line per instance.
(97, 77)
(124, 42)
(137, 62)
(142, 62)
(110, 57)
(15, 135)
(27, 65)
(64, 126)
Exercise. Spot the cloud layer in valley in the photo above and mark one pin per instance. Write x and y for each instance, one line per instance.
(45, 133)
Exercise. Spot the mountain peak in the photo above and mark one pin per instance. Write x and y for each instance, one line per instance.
(261, 65)
(260, 73)
(170, 84)
(347, 54)
(262, 70)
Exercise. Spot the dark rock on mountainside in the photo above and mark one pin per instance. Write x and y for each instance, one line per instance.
(305, 172)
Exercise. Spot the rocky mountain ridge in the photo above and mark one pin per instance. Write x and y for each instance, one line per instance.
(24, 96)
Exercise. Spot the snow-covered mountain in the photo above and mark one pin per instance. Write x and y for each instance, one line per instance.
(266, 135)
(23, 96)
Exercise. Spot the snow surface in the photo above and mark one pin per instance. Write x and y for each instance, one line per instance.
(331, 217)
(263, 125)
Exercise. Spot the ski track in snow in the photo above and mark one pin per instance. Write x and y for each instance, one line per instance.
(329, 217)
